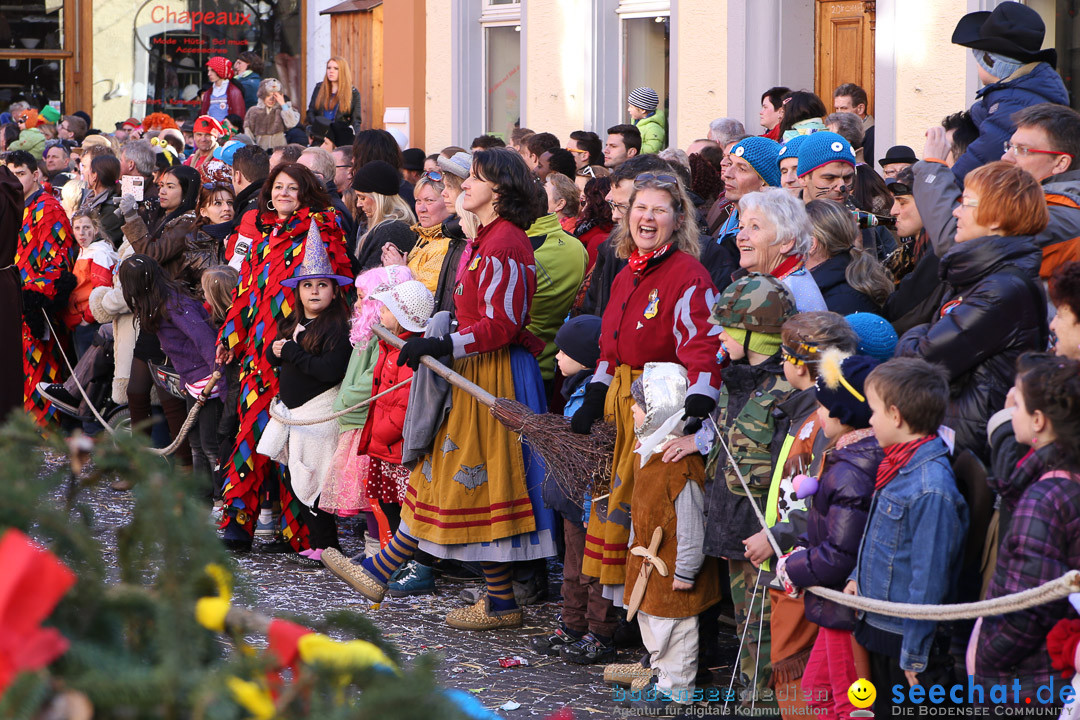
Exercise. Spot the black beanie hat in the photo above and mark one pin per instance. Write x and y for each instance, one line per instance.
(377, 176)
(579, 338)
(841, 386)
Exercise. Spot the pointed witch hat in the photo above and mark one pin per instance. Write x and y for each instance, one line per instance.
(316, 262)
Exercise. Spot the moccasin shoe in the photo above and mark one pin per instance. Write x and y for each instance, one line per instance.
(354, 575)
(476, 617)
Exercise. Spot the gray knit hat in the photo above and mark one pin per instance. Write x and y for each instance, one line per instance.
(459, 165)
(645, 98)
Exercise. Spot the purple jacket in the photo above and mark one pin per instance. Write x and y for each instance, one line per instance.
(188, 338)
(1042, 544)
(834, 529)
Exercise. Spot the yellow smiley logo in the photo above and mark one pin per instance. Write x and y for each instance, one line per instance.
(862, 693)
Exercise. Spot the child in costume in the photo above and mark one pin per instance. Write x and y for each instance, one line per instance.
(312, 350)
(667, 506)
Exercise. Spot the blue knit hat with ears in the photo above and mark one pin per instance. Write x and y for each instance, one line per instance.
(763, 155)
(790, 149)
(822, 148)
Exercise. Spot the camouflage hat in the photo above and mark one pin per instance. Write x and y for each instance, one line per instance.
(759, 303)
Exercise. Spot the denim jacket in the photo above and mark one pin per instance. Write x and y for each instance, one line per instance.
(913, 546)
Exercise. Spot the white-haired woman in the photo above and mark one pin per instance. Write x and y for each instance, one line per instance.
(389, 217)
(658, 312)
(774, 238)
(267, 122)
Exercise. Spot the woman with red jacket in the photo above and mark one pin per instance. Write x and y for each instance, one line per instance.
(658, 312)
(407, 307)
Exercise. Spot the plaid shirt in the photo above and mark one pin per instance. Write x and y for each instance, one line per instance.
(1042, 544)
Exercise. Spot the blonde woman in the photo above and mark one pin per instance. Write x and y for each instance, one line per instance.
(336, 99)
(389, 217)
(850, 279)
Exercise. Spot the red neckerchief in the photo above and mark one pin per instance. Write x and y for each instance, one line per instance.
(638, 260)
(896, 457)
(790, 265)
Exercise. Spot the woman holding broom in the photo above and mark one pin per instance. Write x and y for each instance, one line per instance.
(658, 312)
(476, 497)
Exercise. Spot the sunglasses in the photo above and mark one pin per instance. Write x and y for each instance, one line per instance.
(898, 188)
(434, 175)
(658, 179)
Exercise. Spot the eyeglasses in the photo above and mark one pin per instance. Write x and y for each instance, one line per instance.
(578, 152)
(343, 166)
(658, 179)
(969, 202)
(620, 207)
(433, 175)
(1021, 151)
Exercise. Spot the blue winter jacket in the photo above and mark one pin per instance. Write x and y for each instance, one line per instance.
(995, 105)
(913, 546)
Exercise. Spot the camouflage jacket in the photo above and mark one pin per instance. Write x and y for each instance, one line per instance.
(750, 432)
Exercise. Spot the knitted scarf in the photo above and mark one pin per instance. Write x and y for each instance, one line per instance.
(896, 457)
(638, 260)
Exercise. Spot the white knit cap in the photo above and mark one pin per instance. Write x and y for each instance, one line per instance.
(644, 98)
(460, 164)
(410, 302)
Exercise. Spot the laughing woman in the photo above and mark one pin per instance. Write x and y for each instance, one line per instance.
(477, 496)
(658, 312)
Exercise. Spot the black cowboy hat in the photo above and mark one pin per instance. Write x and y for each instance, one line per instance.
(898, 154)
(1013, 30)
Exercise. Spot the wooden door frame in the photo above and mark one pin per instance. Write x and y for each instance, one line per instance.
(77, 53)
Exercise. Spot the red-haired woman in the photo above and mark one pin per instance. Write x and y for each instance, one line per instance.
(295, 204)
(994, 309)
(336, 99)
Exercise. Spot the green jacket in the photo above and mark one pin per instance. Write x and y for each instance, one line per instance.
(560, 269)
(356, 386)
(32, 141)
(653, 131)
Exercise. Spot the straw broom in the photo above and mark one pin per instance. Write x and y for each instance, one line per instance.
(578, 464)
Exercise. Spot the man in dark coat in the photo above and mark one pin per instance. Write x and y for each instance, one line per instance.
(11, 370)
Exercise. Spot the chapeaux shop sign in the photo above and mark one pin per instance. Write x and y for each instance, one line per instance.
(166, 14)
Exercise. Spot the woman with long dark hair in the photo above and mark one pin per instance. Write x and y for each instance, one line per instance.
(802, 114)
(477, 496)
(205, 244)
(594, 220)
(295, 204)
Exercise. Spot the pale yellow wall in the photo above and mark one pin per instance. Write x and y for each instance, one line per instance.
(930, 71)
(700, 39)
(555, 65)
(438, 99)
(114, 59)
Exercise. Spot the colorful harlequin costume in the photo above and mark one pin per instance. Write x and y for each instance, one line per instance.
(261, 301)
(659, 313)
(46, 252)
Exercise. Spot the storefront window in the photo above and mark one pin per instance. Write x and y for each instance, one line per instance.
(31, 24)
(1062, 24)
(36, 81)
(646, 45)
(503, 79)
(174, 42)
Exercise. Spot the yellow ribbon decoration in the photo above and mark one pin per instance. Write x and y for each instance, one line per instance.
(210, 612)
(342, 656)
(254, 698)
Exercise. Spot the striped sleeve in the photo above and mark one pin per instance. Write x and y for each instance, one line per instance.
(504, 292)
(695, 346)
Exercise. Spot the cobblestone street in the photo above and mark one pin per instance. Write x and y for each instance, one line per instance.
(416, 625)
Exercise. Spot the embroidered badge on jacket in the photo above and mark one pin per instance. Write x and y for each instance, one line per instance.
(654, 305)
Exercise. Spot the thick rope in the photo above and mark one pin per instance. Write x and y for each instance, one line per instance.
(1048, 592)
(340, 413)
(189, 421)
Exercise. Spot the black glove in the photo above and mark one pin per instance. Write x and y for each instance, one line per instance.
(34, 306)
(591, 410)
(697, 408)
(415, 349)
